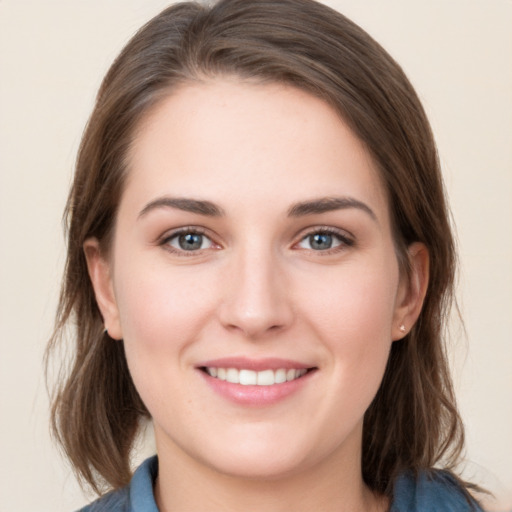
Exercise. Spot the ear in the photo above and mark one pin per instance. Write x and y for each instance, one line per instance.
(101, 277)
(412, 290)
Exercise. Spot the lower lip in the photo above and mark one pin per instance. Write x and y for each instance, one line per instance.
(256, 395)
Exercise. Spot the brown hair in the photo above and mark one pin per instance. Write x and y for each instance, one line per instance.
(413, 423)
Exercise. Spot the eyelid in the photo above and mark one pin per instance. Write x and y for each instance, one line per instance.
(347, 239)
(163, 240)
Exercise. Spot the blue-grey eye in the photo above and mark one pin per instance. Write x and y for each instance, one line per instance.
(321, 241)
(190, 241)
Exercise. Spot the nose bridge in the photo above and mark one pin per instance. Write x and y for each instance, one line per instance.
(256, 300)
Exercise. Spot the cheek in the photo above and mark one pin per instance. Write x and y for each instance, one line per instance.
(354, 318)
(161, 310)
(162, 313)
(353, 303)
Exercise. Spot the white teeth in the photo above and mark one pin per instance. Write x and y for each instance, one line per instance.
(248, 377)
(266, 378)
(251, 378)
(280, 376)
(232, 375)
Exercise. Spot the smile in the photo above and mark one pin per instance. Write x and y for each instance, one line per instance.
(246, 377)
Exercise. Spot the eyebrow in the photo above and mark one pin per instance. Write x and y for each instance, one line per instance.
(187, 205)
(207, 208)
(328, 204)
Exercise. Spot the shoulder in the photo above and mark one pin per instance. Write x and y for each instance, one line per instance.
(135, 497)
(431, 491)
(115, 501)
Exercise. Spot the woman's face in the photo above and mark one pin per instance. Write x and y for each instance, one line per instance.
(253, 279)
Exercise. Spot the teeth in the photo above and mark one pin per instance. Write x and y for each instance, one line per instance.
(280, 376)
(250, 377)
(266, 378)
(247, 377)
(233, 375)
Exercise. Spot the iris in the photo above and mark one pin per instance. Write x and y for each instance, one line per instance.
(190, 241)
(320, 241)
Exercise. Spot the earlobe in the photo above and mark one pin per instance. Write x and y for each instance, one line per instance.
(100, 274)
(413, 288)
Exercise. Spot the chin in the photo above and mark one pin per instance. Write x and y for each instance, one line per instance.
(260, 466)
(262, 453)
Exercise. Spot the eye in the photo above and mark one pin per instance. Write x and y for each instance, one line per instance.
(324, 240)
(188, 240)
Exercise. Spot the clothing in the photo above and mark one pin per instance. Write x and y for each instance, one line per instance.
(437, 493)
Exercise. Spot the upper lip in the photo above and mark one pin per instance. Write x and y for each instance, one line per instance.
(245, 363)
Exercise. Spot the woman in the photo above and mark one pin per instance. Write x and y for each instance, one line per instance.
(260, 261)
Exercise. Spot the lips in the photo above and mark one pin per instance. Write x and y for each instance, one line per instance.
(255, 382)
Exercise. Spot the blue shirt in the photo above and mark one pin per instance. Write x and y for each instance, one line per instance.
(438, 492)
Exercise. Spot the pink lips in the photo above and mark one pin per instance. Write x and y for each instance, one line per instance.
(272, 363)
(256, 395)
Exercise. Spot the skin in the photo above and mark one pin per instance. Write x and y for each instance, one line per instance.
(257, 288)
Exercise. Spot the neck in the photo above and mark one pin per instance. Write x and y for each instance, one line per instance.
(332, 485)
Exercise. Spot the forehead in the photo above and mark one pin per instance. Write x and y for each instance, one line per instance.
(270, 142)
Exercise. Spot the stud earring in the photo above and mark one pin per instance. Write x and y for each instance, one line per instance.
(402, 328)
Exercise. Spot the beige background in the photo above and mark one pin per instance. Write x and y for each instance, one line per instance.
(458, 53)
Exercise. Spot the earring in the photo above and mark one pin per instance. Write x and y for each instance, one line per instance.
(402, 328)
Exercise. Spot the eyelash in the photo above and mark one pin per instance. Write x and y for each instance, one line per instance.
(345, 241)
(187, 230)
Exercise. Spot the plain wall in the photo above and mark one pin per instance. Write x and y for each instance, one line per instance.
(53, 54)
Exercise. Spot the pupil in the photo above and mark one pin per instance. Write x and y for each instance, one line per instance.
(190, 241)
(321, 241)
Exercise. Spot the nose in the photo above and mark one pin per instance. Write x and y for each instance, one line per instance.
(256, 299)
